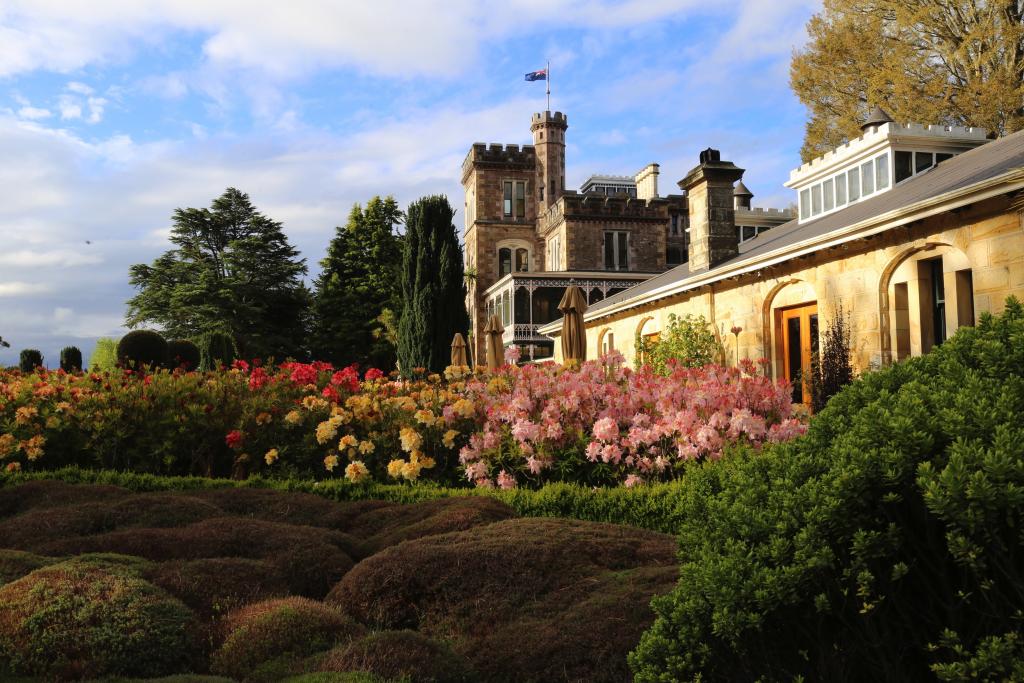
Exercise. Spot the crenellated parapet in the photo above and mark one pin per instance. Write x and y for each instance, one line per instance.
(495, 154)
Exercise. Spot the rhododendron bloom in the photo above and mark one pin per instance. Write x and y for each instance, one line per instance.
(330, 462)
(373, 374)
(506, 480)
(234, 439)
(395, 468)
(293, 417)
(271, 456)
(512, 355)
(606, 429)
(449, 438)
(356, 472)
(632, 480)
(410, 438)
(366, 447)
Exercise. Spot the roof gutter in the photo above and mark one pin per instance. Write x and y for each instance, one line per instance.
(1001, 184)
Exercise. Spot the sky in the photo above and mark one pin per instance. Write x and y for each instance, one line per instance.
(113, 113)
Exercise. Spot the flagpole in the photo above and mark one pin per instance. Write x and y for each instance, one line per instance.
(547, 73)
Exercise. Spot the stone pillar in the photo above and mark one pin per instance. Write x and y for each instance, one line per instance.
(647, 182)
(709, 193)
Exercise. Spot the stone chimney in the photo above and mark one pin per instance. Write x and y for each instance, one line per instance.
(647, 182)
(709, 196)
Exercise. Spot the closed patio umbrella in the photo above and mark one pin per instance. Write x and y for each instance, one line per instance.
(459, 350)
(574, 337)
(495, 349)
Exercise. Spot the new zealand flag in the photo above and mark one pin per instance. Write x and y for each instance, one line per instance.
(541, 75)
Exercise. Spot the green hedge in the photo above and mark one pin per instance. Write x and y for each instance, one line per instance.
(885, 545)
(649, 507)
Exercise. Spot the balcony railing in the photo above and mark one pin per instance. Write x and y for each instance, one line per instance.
(522, 333)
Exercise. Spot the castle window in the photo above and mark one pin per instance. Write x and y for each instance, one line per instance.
(514, 199)
(504, 261)
(673, 256)
(882, 172)
(904, 165)
(830, 197)
(522, 260)
(616, 251)
(854, 181)
(841, 189)
(867, 178)
(555, 253)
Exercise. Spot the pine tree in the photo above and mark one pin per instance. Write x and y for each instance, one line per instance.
(358, 288)
(927, 61)
(232, 270)
(433, 287)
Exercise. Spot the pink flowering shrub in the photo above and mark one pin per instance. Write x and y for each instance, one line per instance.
(607, 424)
(602, 424)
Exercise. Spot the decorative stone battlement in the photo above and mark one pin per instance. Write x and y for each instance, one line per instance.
(594, 206)
(765, 212)
(548, 118)
(497, 153)
(958, 138)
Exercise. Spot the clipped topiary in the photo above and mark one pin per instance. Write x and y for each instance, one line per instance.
(884, 545)
(74, 621)
(142, 349)
(15, 564)
(216, 349)
(398, 654)
(29, 360)
(264, 640)
(71, 359)
(182, 353)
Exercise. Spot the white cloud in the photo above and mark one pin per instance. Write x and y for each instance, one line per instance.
(96, 106)
(34, 113)
(69, 108)
(60, 258)
(80, 88)
(13, 289)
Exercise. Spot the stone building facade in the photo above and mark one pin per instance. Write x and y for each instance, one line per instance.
(930, 248)
(527, 237)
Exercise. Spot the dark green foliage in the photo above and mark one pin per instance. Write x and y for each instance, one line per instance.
(142, 349)
(266, 638)
(216, 349)
(433, 287)
(231, 269)
(71, 359)
(15, 564)
(357, 284)
(884, 545)
(542, 587)
(30, 359)
(689, 341)
(399, 654)
(182, 353)
(74, 621)
(831, 368)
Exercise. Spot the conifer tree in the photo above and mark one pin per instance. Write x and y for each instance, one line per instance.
(358, 288)
(433, 287)
(231, 270)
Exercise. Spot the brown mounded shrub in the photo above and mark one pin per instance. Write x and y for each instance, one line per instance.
(391, 525)
(310, 558)
(214, 586)
(39, 525)
(15, 564)
(398, 654)
(266, 639)
(523, 599)
(73, 621)
(284, 507)
(47, 493)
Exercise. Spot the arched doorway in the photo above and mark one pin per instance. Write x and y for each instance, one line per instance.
(789, 320)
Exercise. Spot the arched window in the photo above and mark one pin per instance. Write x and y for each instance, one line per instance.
(504, 261)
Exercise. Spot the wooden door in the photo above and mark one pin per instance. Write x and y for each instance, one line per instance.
(796, 331)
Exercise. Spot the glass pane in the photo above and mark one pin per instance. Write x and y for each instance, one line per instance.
(840, 189)
(805, 203)
(521, 200)
(522, 260)
(938, 301)
(623, 252)
(882, 172)
(854, 182)
(816, 200)
(904, 165)
(508, 199)
(609, 250)
(867, 178)
(814, 332)
(504, 262)
(749, 232)
(795, 358)
(830, 197)
(940, 157)
(922, 161)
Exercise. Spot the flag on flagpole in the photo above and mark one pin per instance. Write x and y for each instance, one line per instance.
(541, 75)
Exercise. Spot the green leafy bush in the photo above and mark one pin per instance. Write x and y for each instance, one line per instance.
(688, 341)
(182, 353)
(104, 355)
(265, 639)
(142, 349)
(74, 621)
(29, 360)
(884, 545)
(70, 359)
(216, 349)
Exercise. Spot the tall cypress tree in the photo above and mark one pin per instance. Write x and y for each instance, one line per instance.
(433, 288)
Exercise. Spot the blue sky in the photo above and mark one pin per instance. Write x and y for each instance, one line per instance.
(115, 112)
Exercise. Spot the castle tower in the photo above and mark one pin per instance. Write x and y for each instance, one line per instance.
(549, 140)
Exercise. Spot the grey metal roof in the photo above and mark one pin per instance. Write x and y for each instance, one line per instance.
(741, 190)
(960, 172)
